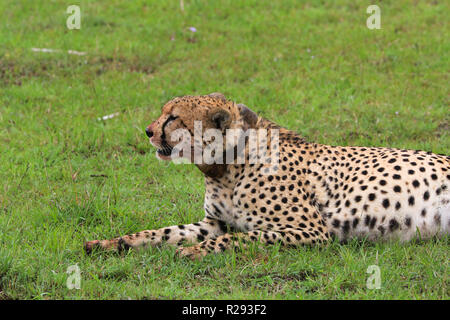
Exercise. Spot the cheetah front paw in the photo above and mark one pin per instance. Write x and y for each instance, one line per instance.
(193, 253)
(90, 246)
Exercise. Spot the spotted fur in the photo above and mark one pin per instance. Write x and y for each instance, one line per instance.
(317, 191)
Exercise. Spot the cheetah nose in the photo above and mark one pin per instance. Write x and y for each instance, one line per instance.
(148, 132)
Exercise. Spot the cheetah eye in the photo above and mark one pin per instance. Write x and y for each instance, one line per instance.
(170, 119)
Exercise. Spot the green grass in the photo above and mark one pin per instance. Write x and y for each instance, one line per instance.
(313, 67)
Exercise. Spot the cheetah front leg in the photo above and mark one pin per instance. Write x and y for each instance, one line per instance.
(175, 235)
(287, 237)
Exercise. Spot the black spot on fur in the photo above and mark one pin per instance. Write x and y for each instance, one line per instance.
(408, 222)
(393, 225)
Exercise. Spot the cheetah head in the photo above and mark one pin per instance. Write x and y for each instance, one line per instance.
(212, 111)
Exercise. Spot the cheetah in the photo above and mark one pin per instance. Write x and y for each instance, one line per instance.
(313, 193)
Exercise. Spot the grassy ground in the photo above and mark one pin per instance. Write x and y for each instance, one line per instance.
(314, 67)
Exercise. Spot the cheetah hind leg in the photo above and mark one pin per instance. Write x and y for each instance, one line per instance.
(287, 237)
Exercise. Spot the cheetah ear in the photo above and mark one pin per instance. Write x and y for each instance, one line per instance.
(248, 115)
(217, 95)
(221, 118)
